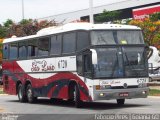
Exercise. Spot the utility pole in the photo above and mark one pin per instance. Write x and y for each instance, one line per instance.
(22, 9)
(91, 11)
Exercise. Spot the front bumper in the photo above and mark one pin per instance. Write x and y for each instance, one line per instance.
(116, 93)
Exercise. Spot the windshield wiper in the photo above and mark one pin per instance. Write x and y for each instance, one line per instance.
(131, 66)
(115, 64)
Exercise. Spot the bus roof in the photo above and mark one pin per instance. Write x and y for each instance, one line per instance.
(71, 27)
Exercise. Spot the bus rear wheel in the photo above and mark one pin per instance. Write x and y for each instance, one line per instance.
(21, 94)
(120, 101)
(29, 92)
(76, 97)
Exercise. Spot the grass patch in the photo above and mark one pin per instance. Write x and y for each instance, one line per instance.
(154, 92)
(1, 92)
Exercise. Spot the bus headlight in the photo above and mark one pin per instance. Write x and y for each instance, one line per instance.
(144, 92)
(101, 94)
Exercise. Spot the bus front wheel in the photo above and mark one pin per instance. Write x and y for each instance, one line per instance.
(76, 94)
(30, 96)
(120, 101)
(21, 96)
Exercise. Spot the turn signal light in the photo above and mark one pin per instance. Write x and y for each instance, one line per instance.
(97, 87)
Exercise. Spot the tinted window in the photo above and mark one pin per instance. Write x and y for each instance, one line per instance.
(87, 63)
(135, 63)
(80, 64)
(130, 37)
(13, 51)
(32, 48)
(56, 44)
(5, 51)
(82, 40)
(22, 49)
(106, 37)
(43, 46)
(103, 37)
(69, 42)
(108, 64)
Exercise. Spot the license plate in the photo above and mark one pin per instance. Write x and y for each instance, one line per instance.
(123, 94)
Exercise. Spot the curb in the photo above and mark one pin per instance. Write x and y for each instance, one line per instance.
(3, 94)
(157, 97)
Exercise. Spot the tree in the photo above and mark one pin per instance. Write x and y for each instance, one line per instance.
(25, 21)
(8, 23)
(155, 16)
(107, 16)
(24, 28)
(29, 27)
(1, 40)
(150, 29)
(3, 32)
(5, 27)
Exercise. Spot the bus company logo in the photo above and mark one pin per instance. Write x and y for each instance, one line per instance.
(41, 66)
(62, 64)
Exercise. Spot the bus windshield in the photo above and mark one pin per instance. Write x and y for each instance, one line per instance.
(120, 62)
(107, 37)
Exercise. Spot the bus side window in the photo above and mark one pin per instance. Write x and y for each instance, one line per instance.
(13, 51)
(56, 44)
(80, 64)
(32, 48)
(43, 46)
(69, 42)
(82, 40)
(5, 51)
(22, 49)
(84, 65)
(87, 63)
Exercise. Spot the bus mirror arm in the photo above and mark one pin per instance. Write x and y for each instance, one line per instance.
(146, 46)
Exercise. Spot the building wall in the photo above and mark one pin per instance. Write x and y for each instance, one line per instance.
(126, 6)
(144, 12)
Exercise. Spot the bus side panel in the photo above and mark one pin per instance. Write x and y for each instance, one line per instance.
(49, 95)
(57, 86)
(8, 78)
(54, 86)
(63, 93)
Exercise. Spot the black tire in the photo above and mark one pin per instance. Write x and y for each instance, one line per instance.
(53, 100)
(120, 101)
(30, 95)
(1, 83)
(21, 93)
(78, 102)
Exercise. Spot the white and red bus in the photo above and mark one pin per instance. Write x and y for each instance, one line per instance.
(79, 62)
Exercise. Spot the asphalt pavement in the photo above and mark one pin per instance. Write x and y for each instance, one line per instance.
(45, 109)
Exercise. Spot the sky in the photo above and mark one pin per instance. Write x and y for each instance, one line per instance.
(12, 9)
